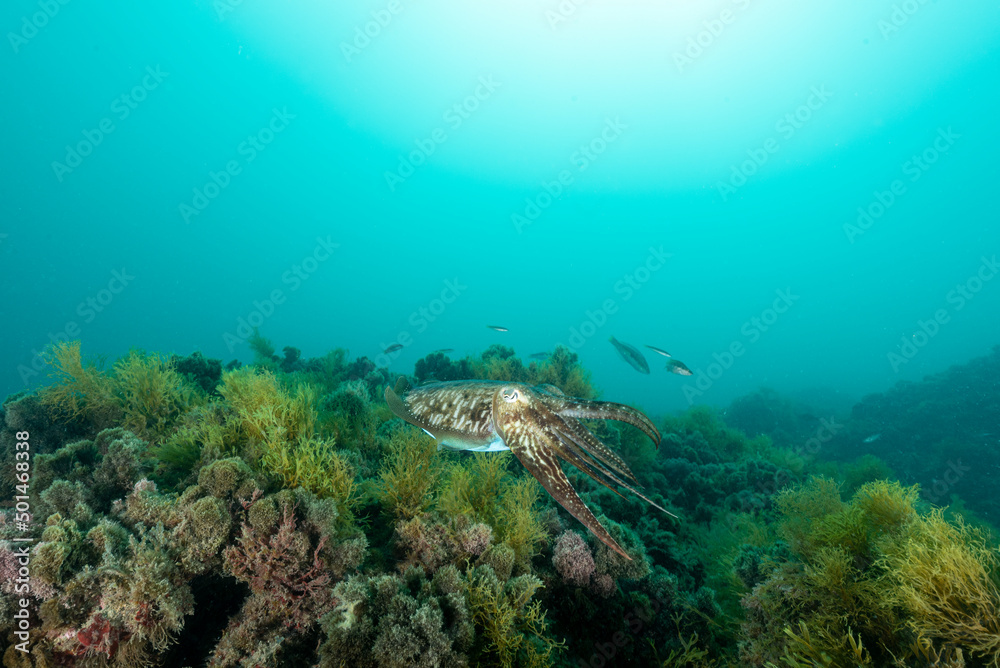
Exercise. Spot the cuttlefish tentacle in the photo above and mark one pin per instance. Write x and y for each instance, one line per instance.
(586, 463)
(593, 445)
(581, 447)
(540, 454)
(589, 442)
(539, 425)
(606, 410)
(608, 474)
(571, 451)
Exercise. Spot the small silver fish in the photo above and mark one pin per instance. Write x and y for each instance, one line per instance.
(393, 348)
(678, 367)
(444, 350)
(540, 356)
(872, 438)
(658, 350)
(496, 328)
(631, 355)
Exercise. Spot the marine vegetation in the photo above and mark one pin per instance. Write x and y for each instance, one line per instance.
(499, 362)
(186, 512)
(941, 432)
(870, 582)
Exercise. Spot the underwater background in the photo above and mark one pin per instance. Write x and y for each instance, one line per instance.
(227, 226)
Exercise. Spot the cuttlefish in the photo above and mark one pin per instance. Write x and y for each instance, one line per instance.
(540, 425)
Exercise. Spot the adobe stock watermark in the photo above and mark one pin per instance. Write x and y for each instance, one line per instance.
(914, 168)
(636, 620)
(828, 428)
(786, 126)
(763, 488)
(958, 297)
(454, 116)
(753, 329)
(948, 480)
(582, 158)
(626, 287)
(713, 28)
(248, 150)
(31, 25)
(420, 320)
(223, 7)
(563, 12)
(365, 34)
(293, 277)
(121, 107)
(87, 310)
(899, 17)
(781, 478)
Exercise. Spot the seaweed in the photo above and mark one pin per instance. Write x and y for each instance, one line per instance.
(277, 513)
(199, 370)
(409, 474)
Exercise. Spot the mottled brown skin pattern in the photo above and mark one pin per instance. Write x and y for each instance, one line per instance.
(540, 426)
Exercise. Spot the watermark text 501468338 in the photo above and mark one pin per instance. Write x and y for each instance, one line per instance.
(22, 522)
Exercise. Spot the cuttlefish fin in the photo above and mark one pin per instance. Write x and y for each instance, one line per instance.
(542, 462)
(396, 404)
(401, 385)
(399, 408)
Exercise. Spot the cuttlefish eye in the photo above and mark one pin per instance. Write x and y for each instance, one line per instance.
(510, 394)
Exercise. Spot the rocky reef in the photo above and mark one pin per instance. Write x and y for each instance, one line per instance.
(186, 513)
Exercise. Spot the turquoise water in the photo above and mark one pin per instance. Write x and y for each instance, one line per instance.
(792, 195)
